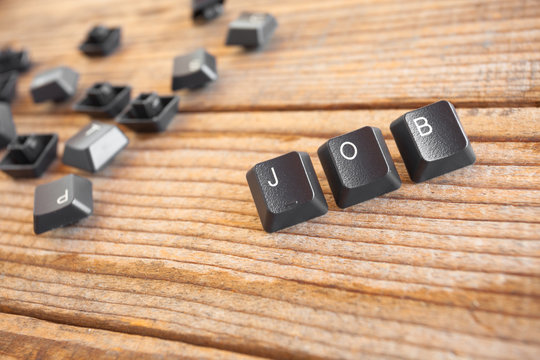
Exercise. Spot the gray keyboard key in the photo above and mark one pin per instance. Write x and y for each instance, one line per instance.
(286, 191)
(29, 155)
(56, 84)
(62, 202)
(358, 166)
(7, 126)
(94, 147)
(194, 70)
(432, 141)
(251, 30)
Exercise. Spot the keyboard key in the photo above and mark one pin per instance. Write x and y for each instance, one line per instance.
(251, 30)
(101, 41)
(62, 202)
(56, 84)
(432, 141)
(149, 112)
(8, 86)
(103, 100)
(358, 166)
(14, 60)
(94, 147)
(286, 191)
(194, 70)
(7, 126)
(29, 155)
(204, 10)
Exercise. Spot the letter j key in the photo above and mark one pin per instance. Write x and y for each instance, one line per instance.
(286, 191)
(432, 141)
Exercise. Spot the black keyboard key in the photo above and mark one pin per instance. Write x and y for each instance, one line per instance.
(94, 147)
(7, 126)
(358, 166)
(29, 155)
(104, 100)
(14, 60)
(432, 141)
(101, 41)
(62, 202)
(194, 70)
(286, 191)
(251, 30)
(56, 84)
(149, 112)
(8, 86)
(204, 10)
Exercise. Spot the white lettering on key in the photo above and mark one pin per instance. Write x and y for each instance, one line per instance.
(423, 125)
(62, 199)
(343, 154)
(93, 129)
(194, 65)
(275, 177)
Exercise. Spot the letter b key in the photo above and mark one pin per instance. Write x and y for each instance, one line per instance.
(432, 141)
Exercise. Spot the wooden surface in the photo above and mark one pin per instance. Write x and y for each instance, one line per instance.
(174, 262)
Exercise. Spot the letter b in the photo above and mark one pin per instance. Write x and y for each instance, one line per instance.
(423, 126)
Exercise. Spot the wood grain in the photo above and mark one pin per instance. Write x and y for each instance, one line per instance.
(446, 268)
(29, 338)
(325, 54)
(174, 262)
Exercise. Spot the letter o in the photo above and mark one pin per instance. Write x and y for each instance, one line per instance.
(343, 154)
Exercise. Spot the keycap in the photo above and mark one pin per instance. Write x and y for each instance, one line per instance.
(94, 147)
(104, 100)
(251, 30)
(29, 155)
(358, 166)
(7, 126)
(8, 86)
(14, 60)
(194, 70)
(62, 202)
(286, 191)
(432, 141)
(204, 10)
(56, 84)
(149, 112)
(101, 41)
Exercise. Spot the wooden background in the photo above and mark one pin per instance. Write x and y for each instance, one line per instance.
(174, 262)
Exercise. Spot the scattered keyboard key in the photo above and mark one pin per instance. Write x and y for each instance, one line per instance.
(251, 30)
(8, 86)
(94, 147)
(62, 202)
(101, 41)
(29, 155)
(56, 84)
(7, 126)
(358, 166)
(204, 10)
(14, 60)
(103, 100)
(432, 141)
(194, 70)
(149, 112)
(286, 191)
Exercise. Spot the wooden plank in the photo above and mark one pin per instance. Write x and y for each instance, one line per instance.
(29, 338)
(327, 54)
(448, 268)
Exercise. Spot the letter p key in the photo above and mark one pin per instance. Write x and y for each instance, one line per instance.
(423, 126)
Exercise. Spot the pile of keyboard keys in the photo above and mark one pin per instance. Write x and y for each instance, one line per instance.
(285, 190)
(69, 199)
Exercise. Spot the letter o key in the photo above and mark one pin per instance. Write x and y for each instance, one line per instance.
(343, 154)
